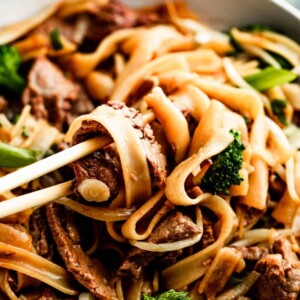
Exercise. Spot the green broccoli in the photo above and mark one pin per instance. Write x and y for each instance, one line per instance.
(225, 169)
(169, 295)
(10, 61)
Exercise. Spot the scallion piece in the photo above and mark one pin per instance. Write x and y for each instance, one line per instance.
(269, 78)
(55, 38)
(14, 157)
(278, 107)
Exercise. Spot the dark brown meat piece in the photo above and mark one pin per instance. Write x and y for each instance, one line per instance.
(174, 227)
(42, 294)
(104, 165)
(252, 253)
(156, 160)
(51, 94)
(296, 117)
(77, 261)
(114, 16)
(3, 104)
(98, 165)
(280, 273)
(40, 232)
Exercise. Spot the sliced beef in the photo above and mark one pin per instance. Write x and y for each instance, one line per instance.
(174, 227)
(42, 294)
(77, 261)
(208, 235)
(280, 273)
(99, 165)
(156, 160)
(296, 117)
(252, 253)
(104, 165)
(41, 235)
(3, 104)
(83, 104)
(114, 16)
(251, 215)
(50, 94)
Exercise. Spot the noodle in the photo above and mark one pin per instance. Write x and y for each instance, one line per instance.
(179, 147)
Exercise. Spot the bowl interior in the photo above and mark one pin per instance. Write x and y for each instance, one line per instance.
(222, 14)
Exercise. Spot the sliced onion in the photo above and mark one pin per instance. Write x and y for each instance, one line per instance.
(35, 266)
(256, 236)
(97, 213)
(164, 247)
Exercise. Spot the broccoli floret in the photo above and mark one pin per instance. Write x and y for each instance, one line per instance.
(10, 61)
(169, 295)
(225, 169)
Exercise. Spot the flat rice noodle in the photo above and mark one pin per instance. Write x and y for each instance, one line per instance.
(219, 272)
(259, 178)
(297, 172)
(171, 120)
(256, 236)
(208, 126)
(286, 209)
(129, 228)
(15, 235)
(278, 143)
(81, 64)
(175, 183)
(35, 266)
(5, 286)
(144, 45)
(283, 39)
(133, 160)
(267, 44)
(193, 99)
(210, 138)
(246, 102)
(168, 62)
(193, 267)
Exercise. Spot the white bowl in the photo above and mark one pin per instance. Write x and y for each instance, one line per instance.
(220, 14)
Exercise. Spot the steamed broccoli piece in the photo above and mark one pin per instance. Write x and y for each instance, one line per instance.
(10, 61)
(169, 295)
(225, 169)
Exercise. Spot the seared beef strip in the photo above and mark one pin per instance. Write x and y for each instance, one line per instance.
(77, 261)
(45, 293)
(104, 165)
(174, 227)
(252, 253)
(41, 235)
(51, 94)
(115, 16)
(208, 235)
(280, 273)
